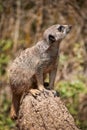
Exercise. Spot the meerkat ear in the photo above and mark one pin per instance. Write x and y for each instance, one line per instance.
(51, 38)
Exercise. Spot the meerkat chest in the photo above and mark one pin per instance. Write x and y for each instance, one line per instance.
(49, 59)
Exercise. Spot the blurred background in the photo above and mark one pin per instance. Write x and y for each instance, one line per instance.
(22, 23)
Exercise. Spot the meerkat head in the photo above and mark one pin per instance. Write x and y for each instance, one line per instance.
(56, 33)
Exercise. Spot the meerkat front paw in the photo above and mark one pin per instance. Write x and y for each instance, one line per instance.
(34, 92)
(43, 90)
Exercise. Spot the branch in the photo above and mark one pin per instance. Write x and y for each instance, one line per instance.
(17, 25)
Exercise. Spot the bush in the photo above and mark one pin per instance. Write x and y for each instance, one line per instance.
(71, 93)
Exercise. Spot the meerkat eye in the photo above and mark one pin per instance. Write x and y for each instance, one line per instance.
(61, 28)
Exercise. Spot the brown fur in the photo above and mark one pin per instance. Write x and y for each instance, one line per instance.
(32, 65)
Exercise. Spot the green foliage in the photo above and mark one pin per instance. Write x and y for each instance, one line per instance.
(5, 121)
(1, 8)
(70, 89)
(5, 45)
(5, 50)
(70, 92)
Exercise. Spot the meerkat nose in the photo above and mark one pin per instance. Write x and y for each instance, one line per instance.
(70, 27)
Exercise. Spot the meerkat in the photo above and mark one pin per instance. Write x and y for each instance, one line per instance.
(32, 65)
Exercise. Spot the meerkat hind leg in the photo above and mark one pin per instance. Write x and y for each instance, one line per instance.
(13, 114)
(15, 106)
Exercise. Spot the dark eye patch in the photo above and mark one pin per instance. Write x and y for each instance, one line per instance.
(61, 28)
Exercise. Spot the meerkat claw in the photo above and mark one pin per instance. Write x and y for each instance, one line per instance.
(34, 92)
(41, 88)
